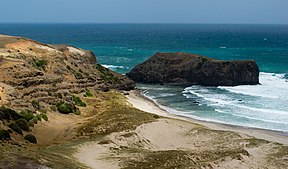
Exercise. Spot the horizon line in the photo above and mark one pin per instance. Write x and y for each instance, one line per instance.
(139, 23)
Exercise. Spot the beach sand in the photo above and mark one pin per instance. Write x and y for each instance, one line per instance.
(141, 102)
(177, 142)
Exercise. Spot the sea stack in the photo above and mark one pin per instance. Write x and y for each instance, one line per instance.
(185, 69)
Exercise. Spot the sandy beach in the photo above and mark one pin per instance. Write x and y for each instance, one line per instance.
(174, 141)
(141, 102)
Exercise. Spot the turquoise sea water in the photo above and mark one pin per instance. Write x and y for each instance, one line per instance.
(122, 46)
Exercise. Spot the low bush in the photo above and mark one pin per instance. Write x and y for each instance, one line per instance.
(15, 128)
(44, 116)
(65, 108)
(31, 123)
(78, 101)
(88, 94)
(35, 104)
(22, 123)
(35, 120)
(4, 135)
(27, 115)
(40, 63)
(9, 114)
(38, 117)
(31, 138)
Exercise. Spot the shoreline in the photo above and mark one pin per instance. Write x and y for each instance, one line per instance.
(139, 101)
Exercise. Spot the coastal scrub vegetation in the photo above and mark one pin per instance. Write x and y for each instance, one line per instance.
(27, 115)
(57, 156)
(44, 116)
(88, 93)
(22, 123)
(65, 108)
(4, 135)
(15, 128)
(31, 138)
(8, 114)
(41, 64)
(106, 75)
(19, 122)
(116, 116)
(77, 100)
(35, 104)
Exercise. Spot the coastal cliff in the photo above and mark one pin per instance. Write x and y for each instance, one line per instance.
(40, 81)
(49, 74)
(188, 69)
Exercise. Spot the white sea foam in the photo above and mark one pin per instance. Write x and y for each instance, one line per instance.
(272, 86)
(263, 106)
(167, 94)
(152, 88)
(113, 67)
(285, 122)
(264, 121)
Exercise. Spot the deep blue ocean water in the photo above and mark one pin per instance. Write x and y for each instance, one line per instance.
(122, 46)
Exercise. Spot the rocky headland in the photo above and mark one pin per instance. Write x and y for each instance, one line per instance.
(188, 69)
(48, 74)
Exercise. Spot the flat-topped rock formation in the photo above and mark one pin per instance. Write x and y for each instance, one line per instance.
(48, 74)
(188, 69)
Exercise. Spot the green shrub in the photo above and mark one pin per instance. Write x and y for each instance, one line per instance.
(9, 114)
(38, 117)
(78, 75)
(15, 128)
(31, 123)
(35, 120)
(22, 123)
(78, 101)
(27, 115)
(65, 108)
(88, 94)
(44, 116)
(4, 135)
(35, 104)
(40, 63)
(101, 68)
(31, 138)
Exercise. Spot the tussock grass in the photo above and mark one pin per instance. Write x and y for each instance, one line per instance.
(116, 116)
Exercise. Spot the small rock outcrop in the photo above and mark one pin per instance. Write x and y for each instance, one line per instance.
(188, 69)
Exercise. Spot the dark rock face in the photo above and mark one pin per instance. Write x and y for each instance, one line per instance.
(188, 69)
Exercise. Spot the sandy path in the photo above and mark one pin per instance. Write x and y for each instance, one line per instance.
(92, 154)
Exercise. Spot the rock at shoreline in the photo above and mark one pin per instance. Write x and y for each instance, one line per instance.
(188, 69)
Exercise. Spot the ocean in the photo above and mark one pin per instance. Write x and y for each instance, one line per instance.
(122, 46)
